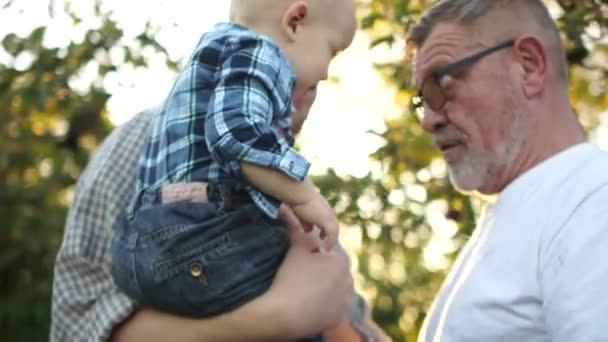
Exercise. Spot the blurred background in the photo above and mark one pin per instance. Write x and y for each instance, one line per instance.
(70, 71)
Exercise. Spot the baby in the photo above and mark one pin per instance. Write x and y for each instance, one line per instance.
(201, 236)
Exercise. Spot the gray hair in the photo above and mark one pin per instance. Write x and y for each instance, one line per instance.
(469, 12)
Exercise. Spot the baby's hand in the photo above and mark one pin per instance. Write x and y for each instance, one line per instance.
(289, 219)
(317, 212)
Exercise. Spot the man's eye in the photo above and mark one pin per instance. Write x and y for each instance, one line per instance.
(446, 80)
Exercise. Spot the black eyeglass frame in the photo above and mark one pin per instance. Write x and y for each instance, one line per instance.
(417, 101)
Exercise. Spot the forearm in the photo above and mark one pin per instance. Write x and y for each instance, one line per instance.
(251, 322)
(365, 331)
(277, 184)
(344, 332)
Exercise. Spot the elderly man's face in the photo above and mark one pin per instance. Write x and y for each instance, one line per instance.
(482, 125)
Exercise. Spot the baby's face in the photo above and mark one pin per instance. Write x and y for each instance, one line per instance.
(313, 51)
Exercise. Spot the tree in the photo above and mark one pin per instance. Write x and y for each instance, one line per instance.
(397, 213)
(48, 131)
(51, 126)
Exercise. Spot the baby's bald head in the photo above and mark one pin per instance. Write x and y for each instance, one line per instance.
(271, 12)
(253, 11)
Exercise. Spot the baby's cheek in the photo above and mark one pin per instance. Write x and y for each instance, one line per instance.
(298, 92)
(302, 104)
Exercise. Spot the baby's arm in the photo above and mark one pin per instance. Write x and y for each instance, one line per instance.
(302, 196)
(252, 91)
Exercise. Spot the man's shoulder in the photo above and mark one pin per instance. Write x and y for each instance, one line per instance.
(136, 126)
(585, 172)
(546, 197)
(593, 180)
(583, 216)
(581, 191)
(577, 172)
(592, 171)
(589, 186)
(119, 150)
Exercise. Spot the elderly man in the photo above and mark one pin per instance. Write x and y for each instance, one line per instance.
(311, 291)
(493, 92)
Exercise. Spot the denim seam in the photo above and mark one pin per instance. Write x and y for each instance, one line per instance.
(165, 233)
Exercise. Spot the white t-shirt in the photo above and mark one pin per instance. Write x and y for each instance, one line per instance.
(536, 267)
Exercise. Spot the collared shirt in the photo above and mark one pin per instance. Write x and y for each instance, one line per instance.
(86, 304)
(232, 103)
(535, 269)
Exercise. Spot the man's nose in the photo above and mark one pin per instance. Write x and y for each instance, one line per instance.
(434, 120)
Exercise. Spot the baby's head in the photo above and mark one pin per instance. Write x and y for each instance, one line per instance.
(309, 32)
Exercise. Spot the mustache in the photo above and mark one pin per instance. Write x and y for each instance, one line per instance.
(449, 135)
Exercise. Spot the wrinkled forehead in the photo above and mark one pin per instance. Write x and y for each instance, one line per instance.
(445, 43)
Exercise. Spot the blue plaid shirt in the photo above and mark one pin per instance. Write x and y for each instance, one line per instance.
(231, 104)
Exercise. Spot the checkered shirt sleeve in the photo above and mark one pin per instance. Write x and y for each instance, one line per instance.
(86, 304)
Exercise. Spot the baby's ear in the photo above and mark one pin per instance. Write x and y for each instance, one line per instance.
(293, 17)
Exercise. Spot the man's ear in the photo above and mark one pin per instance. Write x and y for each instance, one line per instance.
(532, 56)
(293, 17)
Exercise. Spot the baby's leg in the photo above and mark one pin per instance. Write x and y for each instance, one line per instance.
(193, 260)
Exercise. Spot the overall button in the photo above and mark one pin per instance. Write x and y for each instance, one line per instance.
(196, 269)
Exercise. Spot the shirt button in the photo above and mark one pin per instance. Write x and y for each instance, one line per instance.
(196, 269)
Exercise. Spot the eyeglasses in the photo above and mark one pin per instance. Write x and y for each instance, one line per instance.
(431, 93)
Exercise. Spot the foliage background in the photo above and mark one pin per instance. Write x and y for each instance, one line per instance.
(50, 127)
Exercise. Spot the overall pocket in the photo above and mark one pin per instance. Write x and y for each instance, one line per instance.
(215, 268)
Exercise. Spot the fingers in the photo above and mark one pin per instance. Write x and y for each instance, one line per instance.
(289, 219)
(322, 224)
(316, 240)
(308, 227)
(329, 237)
(309, 240)
(304, 240)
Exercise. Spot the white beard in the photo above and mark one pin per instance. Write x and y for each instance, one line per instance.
(477, 168)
